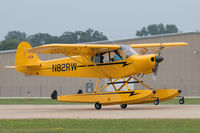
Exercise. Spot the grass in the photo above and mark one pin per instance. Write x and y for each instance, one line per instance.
(187, 101)
(100, 126)
(32, 101)
(50, 101)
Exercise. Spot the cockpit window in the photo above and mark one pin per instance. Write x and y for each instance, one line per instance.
(108, 56)
(127, 50)
(115, 55)
(98, 58)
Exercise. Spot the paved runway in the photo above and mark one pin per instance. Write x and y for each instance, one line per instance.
(107, 112)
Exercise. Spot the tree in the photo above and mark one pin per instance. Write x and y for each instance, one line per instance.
(13, 38)
(153, 29)
(170, 28)
(156, 29)
(68, 37)
(41, 38)
(98, 36)
(161, 29)
(21, 36)
(89, 35)
(9, 44)
(142, 32)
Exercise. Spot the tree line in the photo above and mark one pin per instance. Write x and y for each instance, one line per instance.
(13, 38)
(157, 29)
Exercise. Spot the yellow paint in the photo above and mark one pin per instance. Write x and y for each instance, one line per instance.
(109, 98)
(79, 66)
(162, 95)
(80, 63)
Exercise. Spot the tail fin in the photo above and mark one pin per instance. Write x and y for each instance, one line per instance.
(24, 59)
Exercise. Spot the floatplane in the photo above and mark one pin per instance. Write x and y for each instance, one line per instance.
(117, 63)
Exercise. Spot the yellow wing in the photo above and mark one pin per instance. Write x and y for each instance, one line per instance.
(155, 47)
(158, 45)
(73, 49)
(91, 49)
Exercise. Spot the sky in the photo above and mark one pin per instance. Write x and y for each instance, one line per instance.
(115, 18)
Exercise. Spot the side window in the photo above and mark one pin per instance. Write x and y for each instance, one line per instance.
(109, 56)
(98, 58)
(95, 58)
(106, 57)
(115, 56)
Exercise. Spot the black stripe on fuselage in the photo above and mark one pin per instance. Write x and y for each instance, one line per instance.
(85, 65)
(105, 64)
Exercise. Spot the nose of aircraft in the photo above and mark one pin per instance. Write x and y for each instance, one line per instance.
(158, 58)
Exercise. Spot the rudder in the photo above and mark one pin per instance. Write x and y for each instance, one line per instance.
(24, 59)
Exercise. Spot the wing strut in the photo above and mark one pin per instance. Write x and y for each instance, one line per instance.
(98, 70)
(143, 83)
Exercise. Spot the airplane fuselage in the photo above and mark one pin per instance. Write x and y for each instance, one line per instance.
(78, 66)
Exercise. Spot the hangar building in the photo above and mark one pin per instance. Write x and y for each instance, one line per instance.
(180, 69)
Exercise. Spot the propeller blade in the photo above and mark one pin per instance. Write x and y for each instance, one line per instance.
(158, 59)
(159, 53)
(154, 77)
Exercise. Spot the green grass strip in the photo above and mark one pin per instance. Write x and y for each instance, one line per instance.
(32, 101)
(100, 126)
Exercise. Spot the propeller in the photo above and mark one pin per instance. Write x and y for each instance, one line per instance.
(158, 59)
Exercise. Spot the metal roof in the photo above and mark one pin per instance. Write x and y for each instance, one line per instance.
(146, 37)
(8, 51)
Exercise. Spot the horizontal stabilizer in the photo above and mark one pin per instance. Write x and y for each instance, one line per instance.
(27, 66)
(9, 67)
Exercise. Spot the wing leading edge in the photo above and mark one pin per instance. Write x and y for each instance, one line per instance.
(90, 49)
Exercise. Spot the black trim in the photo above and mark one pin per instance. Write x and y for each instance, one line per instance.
(131, 93)
(104, 64)
(120, 82)
(80, 91)
(85, 65)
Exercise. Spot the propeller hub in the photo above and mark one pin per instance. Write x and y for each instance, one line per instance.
(158, 58)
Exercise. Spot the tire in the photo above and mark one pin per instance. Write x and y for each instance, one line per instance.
(156, 102)
(123, 106)
(181, 101)
(97, 106)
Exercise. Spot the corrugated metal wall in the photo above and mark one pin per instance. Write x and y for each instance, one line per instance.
(15, 84)
(180, 69)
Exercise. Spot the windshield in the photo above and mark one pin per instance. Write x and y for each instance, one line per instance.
(127, 50)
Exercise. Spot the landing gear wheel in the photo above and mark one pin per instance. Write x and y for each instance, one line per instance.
(156, 102)
(123, 106)
(181, 101)
(97, 106)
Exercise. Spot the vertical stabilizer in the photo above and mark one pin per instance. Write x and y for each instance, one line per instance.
(24, 59)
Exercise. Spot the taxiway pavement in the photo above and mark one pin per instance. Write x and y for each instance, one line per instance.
(107, 112)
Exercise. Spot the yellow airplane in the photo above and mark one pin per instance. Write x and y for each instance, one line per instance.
(113, 62)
